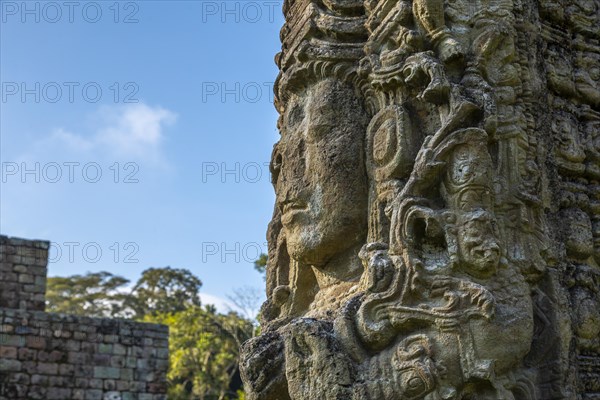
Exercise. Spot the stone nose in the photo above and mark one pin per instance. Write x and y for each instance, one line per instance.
(292, 195)
(487, 249)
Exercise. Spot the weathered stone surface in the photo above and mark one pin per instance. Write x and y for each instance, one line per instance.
(23, 284)
(97, 370)
(436, 233)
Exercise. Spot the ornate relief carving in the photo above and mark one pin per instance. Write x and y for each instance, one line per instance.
(437, 211)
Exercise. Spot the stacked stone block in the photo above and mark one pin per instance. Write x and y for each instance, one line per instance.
(23, 270)
(54, 356)
(61, 357)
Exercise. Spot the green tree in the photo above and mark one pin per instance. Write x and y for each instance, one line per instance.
(260, 264)
(204, 345)
(164, 290)
(204, 352)
(98, 294)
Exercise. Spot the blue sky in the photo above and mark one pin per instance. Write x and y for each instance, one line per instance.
(136, 134)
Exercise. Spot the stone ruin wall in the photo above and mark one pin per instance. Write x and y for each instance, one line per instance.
(49, 356)
(436, 233)
(23, 274)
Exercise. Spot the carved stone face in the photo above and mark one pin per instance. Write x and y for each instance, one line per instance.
(560, 71)
(478, 244)
(578, 233)
(319, 173)
(569, 144)
(468, 178)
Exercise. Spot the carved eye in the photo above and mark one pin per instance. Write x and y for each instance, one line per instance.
(415, 385)
(318, 131)
(563, 128)
(276, 163)
(462, 172)
(295, 116)
(384, 142)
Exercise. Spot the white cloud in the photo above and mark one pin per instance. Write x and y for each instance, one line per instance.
(136, 130)
(133, 131)
(222, 305)
(72, 140)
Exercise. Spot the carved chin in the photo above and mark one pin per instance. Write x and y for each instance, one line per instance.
(485, 266)
(313, 245)
(305, 245)
(488, 267)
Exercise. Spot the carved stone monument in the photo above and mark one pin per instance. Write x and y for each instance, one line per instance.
(436, 233)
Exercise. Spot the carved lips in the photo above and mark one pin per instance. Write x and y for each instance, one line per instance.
(292, 211)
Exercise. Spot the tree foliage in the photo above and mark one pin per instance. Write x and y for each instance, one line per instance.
(260, 264)
(98, 294)
(203, 344)
(204, 348)
(164, 290)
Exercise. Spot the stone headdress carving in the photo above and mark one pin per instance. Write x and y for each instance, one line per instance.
(320, 40)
